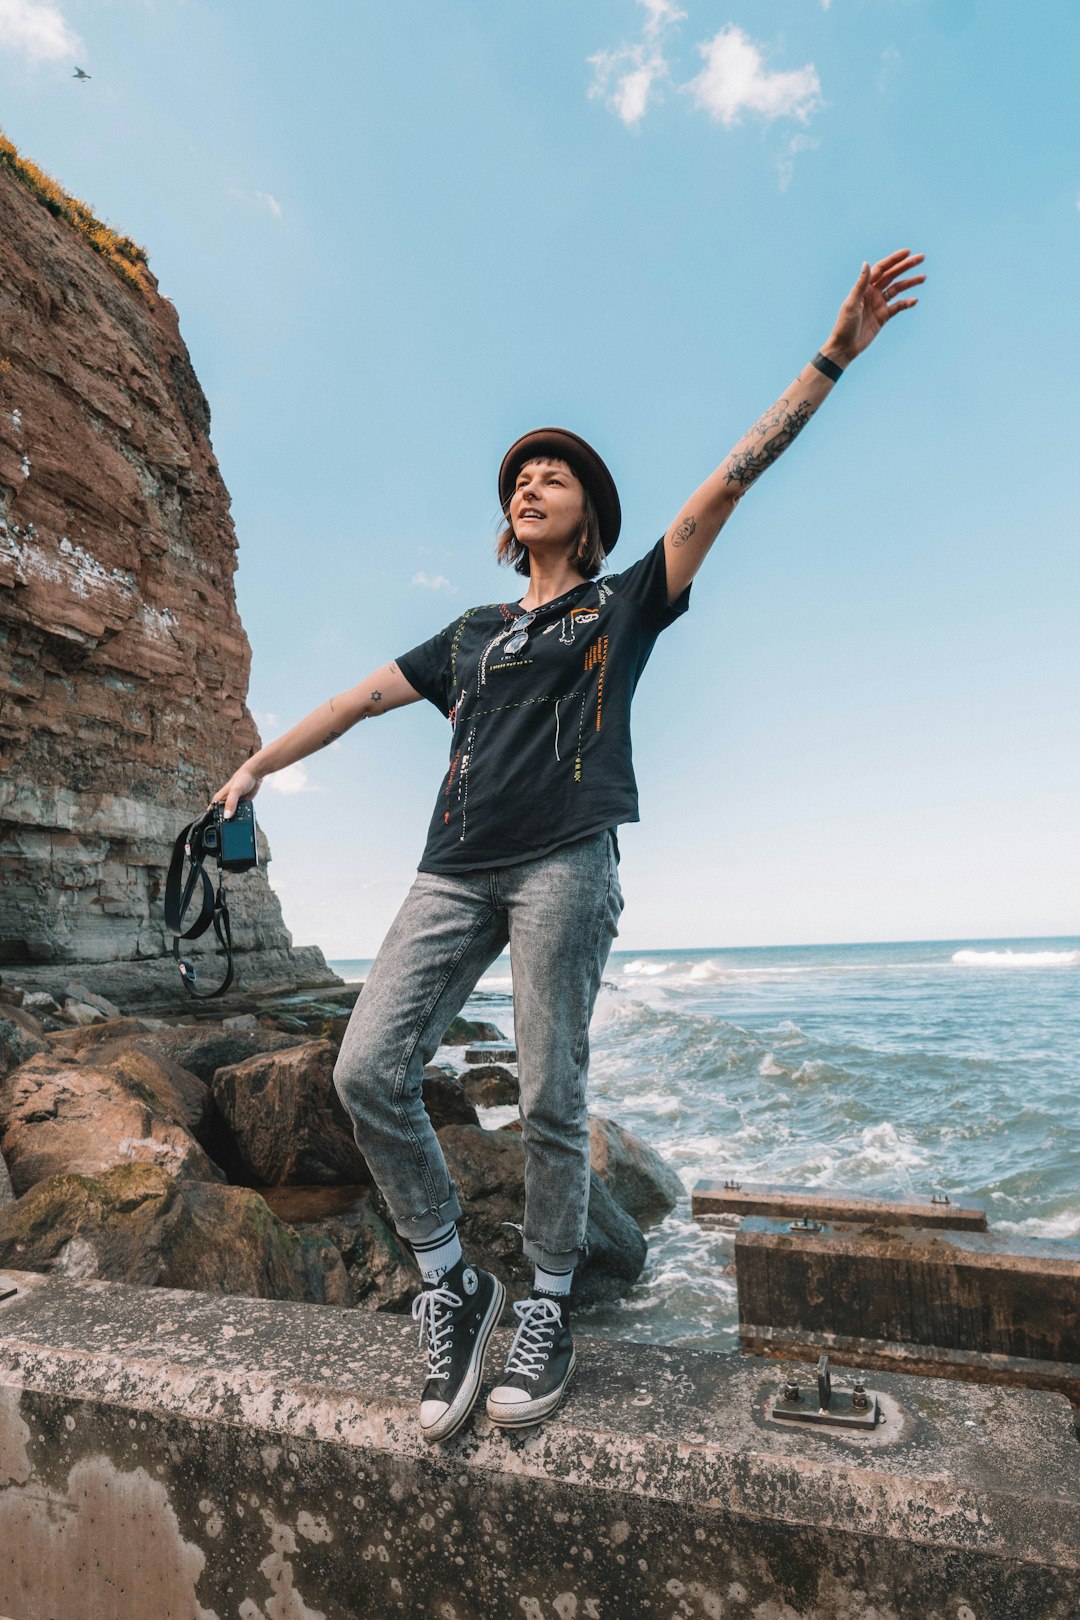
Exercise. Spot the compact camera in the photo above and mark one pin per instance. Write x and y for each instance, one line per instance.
(231, 841)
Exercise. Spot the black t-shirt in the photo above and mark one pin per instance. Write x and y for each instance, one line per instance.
(541, 750)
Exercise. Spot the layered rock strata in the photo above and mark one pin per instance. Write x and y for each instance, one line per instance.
(123, 662)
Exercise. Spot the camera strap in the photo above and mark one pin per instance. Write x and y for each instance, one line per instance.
(213, 910)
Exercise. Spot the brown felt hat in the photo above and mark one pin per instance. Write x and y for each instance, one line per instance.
(568, 447)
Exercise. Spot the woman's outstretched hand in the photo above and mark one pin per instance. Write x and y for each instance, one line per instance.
(243, 784)
(871, 302)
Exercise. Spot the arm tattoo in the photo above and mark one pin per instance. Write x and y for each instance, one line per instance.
(682, 534)
(774, 432)
(376, 697)
(331, 736)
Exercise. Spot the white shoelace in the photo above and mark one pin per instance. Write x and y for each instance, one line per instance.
(432, 1310)
(539, 1319)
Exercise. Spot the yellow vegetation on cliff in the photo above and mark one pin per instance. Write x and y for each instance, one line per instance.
(121, 252)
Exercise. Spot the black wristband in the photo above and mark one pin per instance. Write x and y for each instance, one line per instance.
(828, 368)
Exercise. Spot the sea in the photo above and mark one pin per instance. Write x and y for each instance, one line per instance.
(944, 1066)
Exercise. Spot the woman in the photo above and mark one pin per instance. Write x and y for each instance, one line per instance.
(522, 849)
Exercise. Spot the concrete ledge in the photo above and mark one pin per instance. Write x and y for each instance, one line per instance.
(711, 1197)
(183, 1456)
(956, 1304)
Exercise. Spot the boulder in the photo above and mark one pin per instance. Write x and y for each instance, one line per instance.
(489, 1085)
(446, 1102)
(60, 1115)
(381, 1269)
(11, 995)
(286, 1118)
(21, 1036)
(88, 998)
(7, 1191)
(40, 1001)
(136, 1224)
(77, 1042)
(488, 1170)
(633, 1172)
(466, 1031)
(205, 1048)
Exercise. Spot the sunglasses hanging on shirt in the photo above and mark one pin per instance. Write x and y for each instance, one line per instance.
(520, 635)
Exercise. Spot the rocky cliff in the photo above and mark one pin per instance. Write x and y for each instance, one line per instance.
(123, 663)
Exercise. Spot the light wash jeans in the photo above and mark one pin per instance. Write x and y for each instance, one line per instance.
(560, 914)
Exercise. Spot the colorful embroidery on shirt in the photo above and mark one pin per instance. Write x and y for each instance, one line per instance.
(597, 654)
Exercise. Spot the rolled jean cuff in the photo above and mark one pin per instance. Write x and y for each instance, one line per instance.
(415, 1228)
(551, 1259)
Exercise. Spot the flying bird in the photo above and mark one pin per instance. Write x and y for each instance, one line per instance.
(79, 74)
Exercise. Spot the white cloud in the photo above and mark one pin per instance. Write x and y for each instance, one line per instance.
(293, 779)
(265, 720)
(270, 203)
(37, 30)
(625, 78)
(734, 80)
(432, 582)
(785, 165)
(660, 13)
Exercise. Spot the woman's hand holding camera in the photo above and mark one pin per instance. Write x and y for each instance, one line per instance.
(243, 784)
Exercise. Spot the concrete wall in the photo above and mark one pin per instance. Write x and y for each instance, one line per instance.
(183, 1456)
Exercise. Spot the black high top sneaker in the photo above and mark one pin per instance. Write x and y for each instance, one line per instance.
(458, 1316)
(540, 1364)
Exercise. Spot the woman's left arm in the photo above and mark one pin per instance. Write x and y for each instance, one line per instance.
(862, 315)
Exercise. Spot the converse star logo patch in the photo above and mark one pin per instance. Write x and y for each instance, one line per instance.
(469, 1280)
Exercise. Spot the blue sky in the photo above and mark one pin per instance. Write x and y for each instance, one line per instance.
(399, 235)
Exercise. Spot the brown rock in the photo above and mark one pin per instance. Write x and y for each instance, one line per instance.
(76, 1042)
(61, 1116)
(489, 1085)
(488, 1170)
(123, 659)
(21, 1036)
(204, 1048)
(446, 1102)
(287, 1119)
(632, 1171)
(382, 1272)
(465, 1031)
(137, 1224)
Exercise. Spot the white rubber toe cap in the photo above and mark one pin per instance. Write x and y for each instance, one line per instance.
(507, 1395)
(432, 1412)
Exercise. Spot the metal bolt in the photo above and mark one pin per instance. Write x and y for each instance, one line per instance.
(791, 1390)
(858, 1394)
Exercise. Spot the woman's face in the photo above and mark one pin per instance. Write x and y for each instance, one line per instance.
(547, 507)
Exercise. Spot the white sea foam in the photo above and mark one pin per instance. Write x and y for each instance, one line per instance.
(1065, 1225)
(647, 969)
(1016, 958)
(769, 1068)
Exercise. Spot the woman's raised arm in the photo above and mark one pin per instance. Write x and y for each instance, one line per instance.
(862, 315)
(385, 688)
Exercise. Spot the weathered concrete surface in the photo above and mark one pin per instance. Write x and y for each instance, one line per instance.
(965, 1304)
(180, 1455)
(711, 1197)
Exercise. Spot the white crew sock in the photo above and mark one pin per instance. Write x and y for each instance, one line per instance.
(437, 1254)
(552, 1282)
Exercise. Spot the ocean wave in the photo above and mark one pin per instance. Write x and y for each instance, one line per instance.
(1016, 958)
(647, 969)
(1064, 1225)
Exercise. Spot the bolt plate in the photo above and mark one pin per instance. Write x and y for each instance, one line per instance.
(840, 1413)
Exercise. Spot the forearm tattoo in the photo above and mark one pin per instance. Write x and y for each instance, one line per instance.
(766, 440)
(685, 529)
